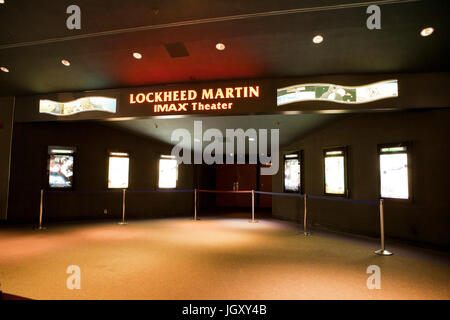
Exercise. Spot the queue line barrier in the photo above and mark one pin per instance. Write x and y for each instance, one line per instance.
(381, 251)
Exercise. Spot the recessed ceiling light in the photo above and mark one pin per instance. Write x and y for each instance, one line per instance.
(2, 1)
(4, 69)
(426, 32)
(137, 55)
(65, 62)
(318, 39)
(220, 46)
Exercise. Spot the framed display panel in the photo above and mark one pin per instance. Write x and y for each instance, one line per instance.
(168, 172)
(118, 170)
(394, 171)
(335, 171)
(60, 167)
(293, 172)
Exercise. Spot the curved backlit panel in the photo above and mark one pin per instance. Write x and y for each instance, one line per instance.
(337, 93)
(76, 106)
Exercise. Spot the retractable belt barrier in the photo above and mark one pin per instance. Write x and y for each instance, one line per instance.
(122, 191)
(161, 191)
(297, 195)
(224, 191)
(381, 251)
(81, 191)
(342, 199)
(252, 192)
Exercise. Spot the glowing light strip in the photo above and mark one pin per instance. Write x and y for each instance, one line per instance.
(119, 154)
(61, 151)
(338, 94)
(332, 153)
(393, 149)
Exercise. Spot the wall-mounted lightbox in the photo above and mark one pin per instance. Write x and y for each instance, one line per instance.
(60, 166)
(76, 106)
(337, 93)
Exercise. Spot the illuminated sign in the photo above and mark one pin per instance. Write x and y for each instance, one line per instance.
(76, 106)
(218, 99)
(337, 93)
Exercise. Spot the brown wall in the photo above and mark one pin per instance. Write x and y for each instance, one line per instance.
(227, 175)
(425, 219)
(92, 140)
(6, 127)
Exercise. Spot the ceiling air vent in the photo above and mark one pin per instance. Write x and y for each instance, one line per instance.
(176, 49)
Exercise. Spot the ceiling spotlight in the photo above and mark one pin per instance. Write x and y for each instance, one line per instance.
(137, 55)
(426, 32)
(65, 62)
(220, 46)
(318, 39)
(4, 69)
(2, 1)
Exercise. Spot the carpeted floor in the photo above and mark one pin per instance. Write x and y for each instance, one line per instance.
(208, 259)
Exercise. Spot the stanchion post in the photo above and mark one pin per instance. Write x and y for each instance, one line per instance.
(123, 207)
(382, 251)
(305, 233)
(41, 209)
(253, 208)
(195, 204)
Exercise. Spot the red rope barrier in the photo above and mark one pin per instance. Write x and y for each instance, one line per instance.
(225, 191)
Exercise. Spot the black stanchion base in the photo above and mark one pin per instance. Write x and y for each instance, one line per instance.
(40, 228)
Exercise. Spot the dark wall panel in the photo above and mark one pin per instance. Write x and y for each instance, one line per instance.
(92, 140)
(425, 219)
(6, 127)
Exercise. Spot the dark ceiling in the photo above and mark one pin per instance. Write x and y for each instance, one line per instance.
(263, 38)
(291, 127)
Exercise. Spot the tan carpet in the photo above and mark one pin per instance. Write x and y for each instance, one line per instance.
(208, 259)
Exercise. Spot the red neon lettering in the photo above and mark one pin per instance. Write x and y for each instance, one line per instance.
(140, 98)
(158, 97)
(192, 94)
(182, 106)
(207, 94)
(219, 94)
(229, 93)
(161, 107)
(167, 96)
(254, 91)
